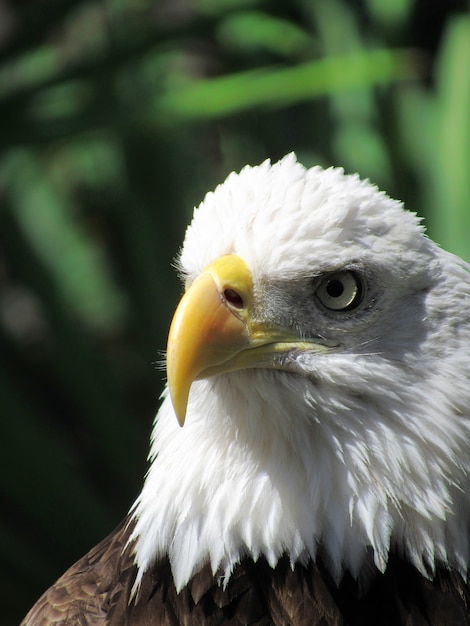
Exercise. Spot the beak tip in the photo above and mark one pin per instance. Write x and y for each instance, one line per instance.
(180, 403)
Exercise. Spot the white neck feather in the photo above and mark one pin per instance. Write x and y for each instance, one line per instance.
(244, 478)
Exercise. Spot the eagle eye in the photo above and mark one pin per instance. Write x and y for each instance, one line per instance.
(341, 291)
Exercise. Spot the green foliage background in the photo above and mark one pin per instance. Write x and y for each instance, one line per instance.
(116, 116)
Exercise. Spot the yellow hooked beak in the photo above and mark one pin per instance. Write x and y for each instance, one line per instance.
(214, 331)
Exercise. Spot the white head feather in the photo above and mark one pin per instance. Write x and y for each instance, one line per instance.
(366, 446)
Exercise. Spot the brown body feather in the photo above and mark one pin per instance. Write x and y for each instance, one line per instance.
(96, 591)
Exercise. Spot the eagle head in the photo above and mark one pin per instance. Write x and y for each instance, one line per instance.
(318, 361)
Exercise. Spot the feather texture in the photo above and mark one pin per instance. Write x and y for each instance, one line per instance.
(364, 446)
(96, 591)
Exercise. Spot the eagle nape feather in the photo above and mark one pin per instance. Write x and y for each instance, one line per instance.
(310, 461)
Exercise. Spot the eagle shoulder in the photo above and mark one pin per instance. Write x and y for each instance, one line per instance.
(97, 591)
(87, 590)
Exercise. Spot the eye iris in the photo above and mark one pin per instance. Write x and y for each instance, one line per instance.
(334, 288)
(341, 291)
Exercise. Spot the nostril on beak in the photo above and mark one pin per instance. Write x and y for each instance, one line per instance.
(233, 298)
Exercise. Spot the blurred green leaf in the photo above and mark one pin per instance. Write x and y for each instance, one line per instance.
(30, 70)
(451, 180)
(215, 7)
(65, 100)
(279, 87)
(78, 266)
(253, 31)
(388, 12)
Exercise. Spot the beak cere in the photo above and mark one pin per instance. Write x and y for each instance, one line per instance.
(210, 326)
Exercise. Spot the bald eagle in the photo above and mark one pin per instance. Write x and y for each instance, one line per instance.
(319, 362)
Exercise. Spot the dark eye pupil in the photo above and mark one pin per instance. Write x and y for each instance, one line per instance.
(233, 298)
(335, 288)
